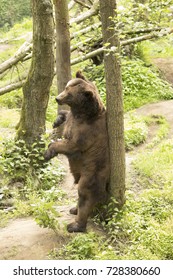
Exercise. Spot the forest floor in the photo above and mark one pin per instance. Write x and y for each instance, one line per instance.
(23, 239)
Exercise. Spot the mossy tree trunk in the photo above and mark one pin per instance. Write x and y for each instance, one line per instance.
(63, 68)
(115, 116)
(37, 87)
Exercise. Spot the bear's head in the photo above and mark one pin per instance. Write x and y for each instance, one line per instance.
(82, 96)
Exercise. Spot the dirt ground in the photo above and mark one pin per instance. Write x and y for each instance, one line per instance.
(24, 239)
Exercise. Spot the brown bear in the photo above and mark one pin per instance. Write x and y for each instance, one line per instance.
(85, 143)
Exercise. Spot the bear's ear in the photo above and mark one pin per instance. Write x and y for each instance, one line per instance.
(80, 75)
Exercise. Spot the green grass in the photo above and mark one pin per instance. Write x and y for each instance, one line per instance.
(9, 118)
(143, 229)
(17, 31)
(161, 48)
(159, 167)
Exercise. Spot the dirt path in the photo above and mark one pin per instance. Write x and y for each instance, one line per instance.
(24, 239)
(164, 108)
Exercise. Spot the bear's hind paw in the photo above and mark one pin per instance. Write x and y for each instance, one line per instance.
(74, 227)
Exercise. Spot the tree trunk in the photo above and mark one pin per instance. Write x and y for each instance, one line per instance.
(37, 86)
(115, 116)
(63, 52)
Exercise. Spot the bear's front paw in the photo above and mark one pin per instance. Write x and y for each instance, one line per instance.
(75, 227)
(50, 152)
(73, 211)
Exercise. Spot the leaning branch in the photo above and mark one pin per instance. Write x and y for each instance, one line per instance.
(12, 87)
(92, 12)
(85, 30)
(162, 33)
(20, 54)
(19, 84)
(123, 43)
(71, 4)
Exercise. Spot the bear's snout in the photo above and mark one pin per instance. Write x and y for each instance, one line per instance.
(62, 97)
(58, 100)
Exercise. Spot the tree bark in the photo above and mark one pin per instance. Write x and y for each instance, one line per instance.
(115, 115)
(37, 86)
(62, 49)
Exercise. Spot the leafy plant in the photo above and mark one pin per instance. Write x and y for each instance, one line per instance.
(86, 247)
(12, 11)
(45, 214)
(141, 84)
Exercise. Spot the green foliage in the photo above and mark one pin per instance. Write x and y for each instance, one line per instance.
(20, 163)
(141, 84)
(18, 160)
(45, 214)
(161, 48)
(82, 247)
(135, 15)
(138, 230)
(11, 100)
(34, 183)
(142, 229)
(88, 246)
(12, 11)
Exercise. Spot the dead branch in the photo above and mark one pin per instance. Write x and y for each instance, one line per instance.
(25, 36)
(92, 12)
(18, 84)
(123, 43)
(85, 30)
(143, 30)
(12, 87)
(80, 44)
(19, 55)
(71, 5)
(87, 56)
(135, 40)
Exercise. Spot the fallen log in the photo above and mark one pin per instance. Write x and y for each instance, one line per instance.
(16, 85)
(19, 55)
(92, 12)
(12, 87)
(123, 43)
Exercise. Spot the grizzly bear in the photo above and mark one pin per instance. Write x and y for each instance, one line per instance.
(85, 143)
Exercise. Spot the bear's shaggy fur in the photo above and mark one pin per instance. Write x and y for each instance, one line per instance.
(85, 144)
